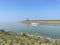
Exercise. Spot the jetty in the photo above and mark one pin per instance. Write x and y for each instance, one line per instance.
(41, 21)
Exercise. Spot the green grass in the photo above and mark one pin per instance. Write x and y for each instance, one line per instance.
(42, 21)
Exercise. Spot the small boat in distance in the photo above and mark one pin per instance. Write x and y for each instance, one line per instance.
(34, 24)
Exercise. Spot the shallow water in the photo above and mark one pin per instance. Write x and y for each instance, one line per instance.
(49, 30)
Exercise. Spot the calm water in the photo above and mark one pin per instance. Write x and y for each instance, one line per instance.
(50, 30)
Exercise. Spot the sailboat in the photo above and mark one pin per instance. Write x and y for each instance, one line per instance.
(34, 24)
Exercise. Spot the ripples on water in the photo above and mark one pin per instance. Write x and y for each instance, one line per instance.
(51, 30)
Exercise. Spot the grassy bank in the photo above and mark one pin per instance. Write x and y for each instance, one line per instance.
(11, 38)
(42, 21)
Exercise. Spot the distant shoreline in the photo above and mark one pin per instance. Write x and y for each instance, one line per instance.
(41, 21)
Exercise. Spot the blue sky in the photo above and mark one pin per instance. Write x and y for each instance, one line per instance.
(17, 10)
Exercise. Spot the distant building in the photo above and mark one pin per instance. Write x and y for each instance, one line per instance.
(27, 19)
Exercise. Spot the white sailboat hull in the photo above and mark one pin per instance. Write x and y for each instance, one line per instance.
(34, 24)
